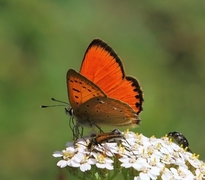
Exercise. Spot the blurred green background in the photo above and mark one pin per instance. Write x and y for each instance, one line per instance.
(160, 43)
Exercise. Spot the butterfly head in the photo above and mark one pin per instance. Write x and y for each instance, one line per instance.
(69, 111)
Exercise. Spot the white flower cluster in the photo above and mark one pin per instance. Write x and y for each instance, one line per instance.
(150, 158)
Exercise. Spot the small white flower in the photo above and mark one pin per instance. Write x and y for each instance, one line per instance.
(199, 175)
(155, 161)
(83, 161)
(193, 160)
(121, 150)
(127, 162)
(144, 176)
(182, 173)
(81, 145)
(151, 169)
(166, 159)
(67, 157)
(102, 161)
(166, 174)
(136, 163)
(148, 173)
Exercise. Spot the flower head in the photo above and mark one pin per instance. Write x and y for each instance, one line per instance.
(150, 158)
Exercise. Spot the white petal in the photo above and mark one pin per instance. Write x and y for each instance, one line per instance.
(92, 161)
(57, 154)
(85, 167)
(62, 163)
(144, 176)
(102, 166)
(109, 166)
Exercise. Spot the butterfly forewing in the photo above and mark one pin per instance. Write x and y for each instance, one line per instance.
(80, 89)
(101, 65)
(109, 74)
(104, 110)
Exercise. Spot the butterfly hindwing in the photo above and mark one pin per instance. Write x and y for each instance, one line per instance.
(108, 111)
(129, 92)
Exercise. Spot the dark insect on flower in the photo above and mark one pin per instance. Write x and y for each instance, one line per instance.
(180, 139)
(105, 137)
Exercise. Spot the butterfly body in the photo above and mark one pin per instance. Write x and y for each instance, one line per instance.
(101, 94)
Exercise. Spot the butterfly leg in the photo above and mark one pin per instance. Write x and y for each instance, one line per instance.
(75, 128)
(72, 126)
(77, 132)
(93, 124)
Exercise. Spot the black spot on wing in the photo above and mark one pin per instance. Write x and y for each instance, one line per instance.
(76, 90)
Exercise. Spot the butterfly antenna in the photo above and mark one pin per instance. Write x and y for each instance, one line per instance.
(43, 106)
(53, 99)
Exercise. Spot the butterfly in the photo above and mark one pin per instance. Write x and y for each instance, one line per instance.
(101, 93)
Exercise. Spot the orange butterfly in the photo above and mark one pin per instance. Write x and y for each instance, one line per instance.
(101, 94)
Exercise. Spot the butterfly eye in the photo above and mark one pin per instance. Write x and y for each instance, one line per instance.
(69, 111)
